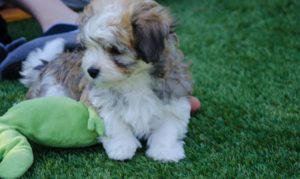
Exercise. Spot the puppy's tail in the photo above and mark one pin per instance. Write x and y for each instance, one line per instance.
(38, 59)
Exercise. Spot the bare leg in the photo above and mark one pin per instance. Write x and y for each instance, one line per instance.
(48, 13)
(195, 104)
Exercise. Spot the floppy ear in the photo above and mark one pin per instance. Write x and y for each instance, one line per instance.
(151, 25)
(84, 16)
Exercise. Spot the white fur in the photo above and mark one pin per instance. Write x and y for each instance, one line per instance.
(131, 111)
(136, 112)
(98, 58)
(165, 142)
(99, 28)
(52, 88)
(51, 50)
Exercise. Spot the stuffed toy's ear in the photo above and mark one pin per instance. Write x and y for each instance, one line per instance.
(94, 124)
(15, 152)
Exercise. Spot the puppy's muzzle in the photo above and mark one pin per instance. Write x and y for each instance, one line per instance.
(93, 72)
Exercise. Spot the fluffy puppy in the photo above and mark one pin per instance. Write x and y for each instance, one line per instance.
(129, 70)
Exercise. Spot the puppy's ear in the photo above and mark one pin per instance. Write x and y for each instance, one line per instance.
(84, 17)
(151, 25)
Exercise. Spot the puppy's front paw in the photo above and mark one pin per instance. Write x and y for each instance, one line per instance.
(120, 148)
(172, 153)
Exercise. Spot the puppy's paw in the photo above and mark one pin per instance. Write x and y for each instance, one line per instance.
(172, 153)
(120, 148)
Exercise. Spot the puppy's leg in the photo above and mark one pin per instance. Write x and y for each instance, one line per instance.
(166, 142)
(119, 142)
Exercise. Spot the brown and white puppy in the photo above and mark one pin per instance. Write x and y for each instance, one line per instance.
(130, 71)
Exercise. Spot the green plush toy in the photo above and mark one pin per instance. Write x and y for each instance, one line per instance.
(50, 121)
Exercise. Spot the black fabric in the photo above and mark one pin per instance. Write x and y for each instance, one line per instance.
(4, 37)
(2, 52)
(11, 72)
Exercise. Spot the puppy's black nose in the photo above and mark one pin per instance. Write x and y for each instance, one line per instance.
(93, 72)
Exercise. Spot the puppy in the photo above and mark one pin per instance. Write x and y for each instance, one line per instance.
(129, 70)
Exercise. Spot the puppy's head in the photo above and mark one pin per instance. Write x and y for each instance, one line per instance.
(122, 37)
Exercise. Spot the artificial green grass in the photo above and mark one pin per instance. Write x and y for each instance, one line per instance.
(246, 68)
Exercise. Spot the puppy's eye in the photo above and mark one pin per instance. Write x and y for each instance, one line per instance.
(114, 51)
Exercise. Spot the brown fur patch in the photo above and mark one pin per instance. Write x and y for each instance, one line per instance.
(151, 25)
(126, 35)
(66, 69)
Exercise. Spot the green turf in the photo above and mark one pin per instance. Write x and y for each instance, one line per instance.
(246, 67)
